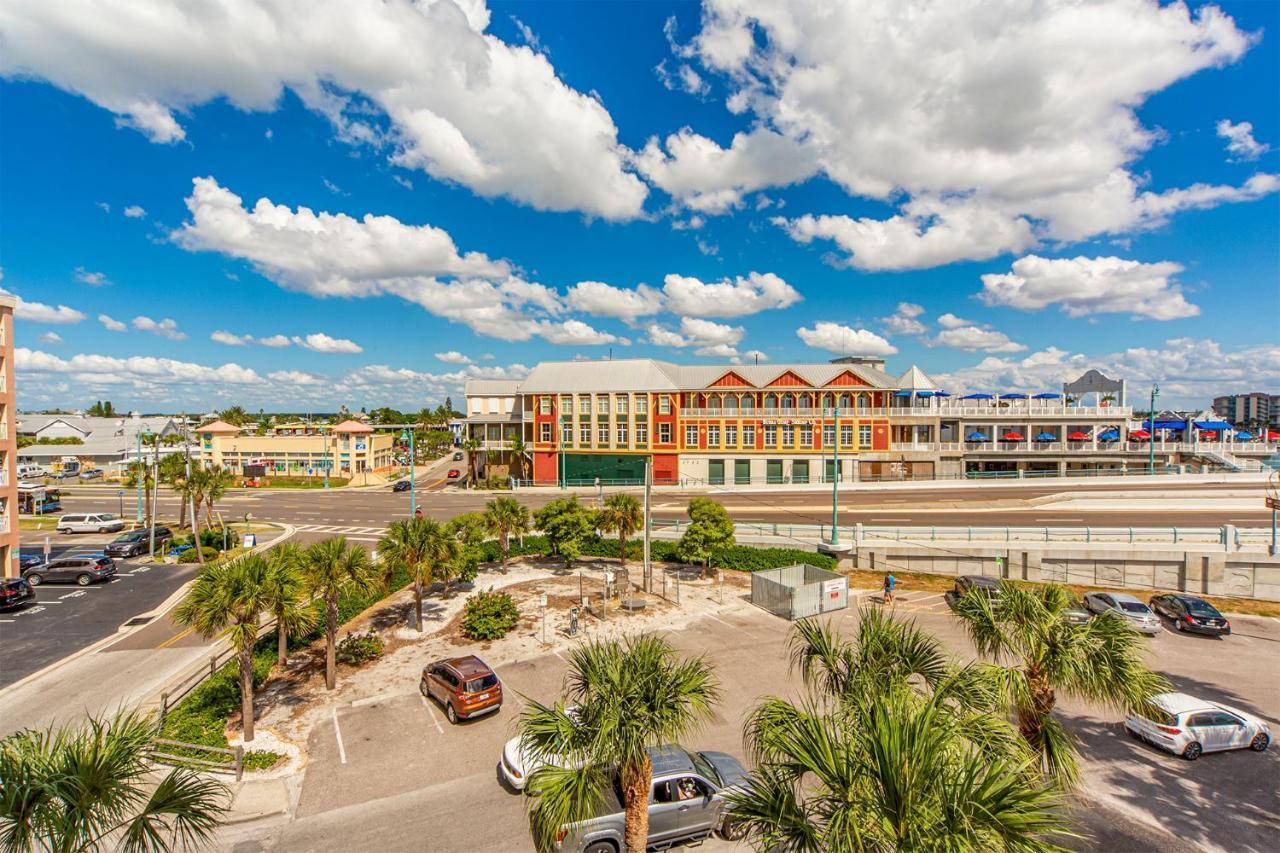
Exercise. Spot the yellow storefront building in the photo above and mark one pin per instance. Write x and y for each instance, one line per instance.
(346, 450)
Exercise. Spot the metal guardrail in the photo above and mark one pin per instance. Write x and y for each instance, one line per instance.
(1226, 535)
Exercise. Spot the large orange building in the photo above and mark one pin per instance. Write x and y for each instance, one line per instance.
(704, 423)
(8, 443)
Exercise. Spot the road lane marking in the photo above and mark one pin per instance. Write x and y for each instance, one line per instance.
(337, 731)
(732, 626)
(431, 713)
(76, 594)
(186, 632)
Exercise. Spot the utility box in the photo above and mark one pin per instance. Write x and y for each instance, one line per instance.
(799, 591)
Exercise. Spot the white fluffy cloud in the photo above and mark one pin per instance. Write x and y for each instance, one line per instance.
(91, 369)
(905, 320)
(604, 300)
(93, 279)
(320, 342)
(972, 338)
(1240, 142)
(842, 340)
(577, 333)
(736, 297)
(51, 338)
(453, 357)
(710, 339)
(1002, 123)
(682, 79)
(111, 324)
(421, 79)
(275, 341)
(1191, 371)
(38, 312)
(166, 328)
(221, 336)
(1082, 286)
(135, 211)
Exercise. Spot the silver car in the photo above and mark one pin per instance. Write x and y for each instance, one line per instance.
(93, 522)
(1139, 615)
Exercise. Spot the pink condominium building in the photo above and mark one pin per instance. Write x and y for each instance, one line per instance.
(8, 444)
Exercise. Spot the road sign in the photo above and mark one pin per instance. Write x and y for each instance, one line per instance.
(542, 600)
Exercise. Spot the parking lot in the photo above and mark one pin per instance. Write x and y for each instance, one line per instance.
(65, 618)
(386, 768)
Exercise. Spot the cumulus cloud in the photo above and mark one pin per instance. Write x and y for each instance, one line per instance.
(1240, 142)
(453, 357)
(135, 211)
(735, 297)
(1082, 286)
(51, 338)
(709, 339)
(93, 279)
(972, 337)
(320, 342)
(1001, 123)
(578, 333)
(111, 324)
(103, 369)
(604, 300)
(166, 328)
(38, 312)
(843, 340)
(905, 320)
(296, 377)
(683, 79)
(423, 81)
(1190, 371)
(231, 339)
(276, 341)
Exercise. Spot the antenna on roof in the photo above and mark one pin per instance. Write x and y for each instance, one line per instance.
(611, 353)
(757, 359)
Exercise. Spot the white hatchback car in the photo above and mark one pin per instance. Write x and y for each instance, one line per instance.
(1139, 615)
(94, 522)
(1189, 727)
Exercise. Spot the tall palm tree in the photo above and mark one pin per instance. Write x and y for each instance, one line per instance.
(196, 485)
(504, 516)
(140, 474)
(518, 449)
(286, 597)
(1038, 654)
(417, 545)
(234, 415)
(218, 480)
(230, 599)
(93, 787)
(629, 696)
(332, 568)
(472, 445)
(621, 514)
(892, 747)
(173, 473)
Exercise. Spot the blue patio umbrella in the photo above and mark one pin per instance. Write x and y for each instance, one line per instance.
(943, 394)
(1014, 396)
(977, 397)
(1046, 436)
(902, 393)
(1244, 436)
(1047, 396)
(1109, 435)
(975, 436)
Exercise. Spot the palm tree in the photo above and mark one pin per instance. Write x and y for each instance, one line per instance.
(235, 415)
(196, 485)
(173, 473)
(504, 516)
(419, 546)
(332, 568)
(892, 747)
(472, 445)
(1038, 654)
(93, 787)
(622, 514)
(230, 599)
(140, 473)
(218, 480)
(629, 696)
(518, 450)
(286, 597)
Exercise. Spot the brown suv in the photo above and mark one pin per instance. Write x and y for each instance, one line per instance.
(466, 687)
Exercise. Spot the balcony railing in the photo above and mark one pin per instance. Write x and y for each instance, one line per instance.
(950, 410)
(807, 412)
(1237, 448)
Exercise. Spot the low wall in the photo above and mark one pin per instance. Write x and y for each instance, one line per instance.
(1200, 571)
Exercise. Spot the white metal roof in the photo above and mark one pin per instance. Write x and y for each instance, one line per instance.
(916, 380)
(645, 374)
(492, 387)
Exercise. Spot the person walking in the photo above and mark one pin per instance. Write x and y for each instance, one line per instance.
(889, 581)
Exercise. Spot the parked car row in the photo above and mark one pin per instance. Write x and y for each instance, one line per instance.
(1185, 612)
(82, 569)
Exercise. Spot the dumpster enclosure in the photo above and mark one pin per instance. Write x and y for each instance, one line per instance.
(794, 592)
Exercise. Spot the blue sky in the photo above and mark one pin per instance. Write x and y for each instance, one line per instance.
(454, 191)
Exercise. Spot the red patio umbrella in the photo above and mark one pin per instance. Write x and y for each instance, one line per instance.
(1273, 436)
(1013, 436)
(1078, 436)
(1140, 435)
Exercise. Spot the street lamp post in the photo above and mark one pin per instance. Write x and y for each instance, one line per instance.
(1151, 433)
(835, 478)
(327, 459)
(139, 473)
(413, 485)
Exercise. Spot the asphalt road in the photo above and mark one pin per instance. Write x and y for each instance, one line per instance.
(66, 617)
(382, 773)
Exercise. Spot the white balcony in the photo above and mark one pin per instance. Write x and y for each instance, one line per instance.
(808, 412)
(1016, 411)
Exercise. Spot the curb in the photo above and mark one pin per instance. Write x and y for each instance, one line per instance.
(121, 633)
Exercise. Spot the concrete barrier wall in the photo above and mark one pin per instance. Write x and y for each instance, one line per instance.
(1197, 571)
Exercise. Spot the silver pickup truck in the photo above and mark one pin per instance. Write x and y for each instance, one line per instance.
(686, 804)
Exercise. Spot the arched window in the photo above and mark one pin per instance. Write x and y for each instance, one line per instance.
(845, 401)
(771, 401)
(788, 401)
(862, 401)
(731, 402)
(806, 401)
(714, 401)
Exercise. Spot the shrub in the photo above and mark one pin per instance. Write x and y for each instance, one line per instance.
(489, 616)
(355, 649)
(189, 555)
(743, 558)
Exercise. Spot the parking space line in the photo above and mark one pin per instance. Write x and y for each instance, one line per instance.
(76, 594)
(426, 703)
(557, 654)
(337, 731)
(732, 626)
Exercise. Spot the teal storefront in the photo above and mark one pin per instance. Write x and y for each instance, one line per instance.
(608, 467)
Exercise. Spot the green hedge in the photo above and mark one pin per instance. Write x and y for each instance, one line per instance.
(743, 558)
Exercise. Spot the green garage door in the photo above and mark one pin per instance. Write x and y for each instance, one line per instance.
(584, 468)
(742, 472)
(715, 472)
(773, 471)
(800, 471)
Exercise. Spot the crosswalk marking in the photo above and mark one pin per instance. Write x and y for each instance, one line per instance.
(333, 528)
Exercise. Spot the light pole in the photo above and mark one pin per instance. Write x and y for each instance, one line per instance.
(139, 473)
(327, 462)
(413, 486)
(835, 479)
(1273, 499)
(1151, 433)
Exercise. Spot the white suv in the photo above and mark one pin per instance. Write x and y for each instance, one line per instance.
(96, 522)
(1187, 726)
